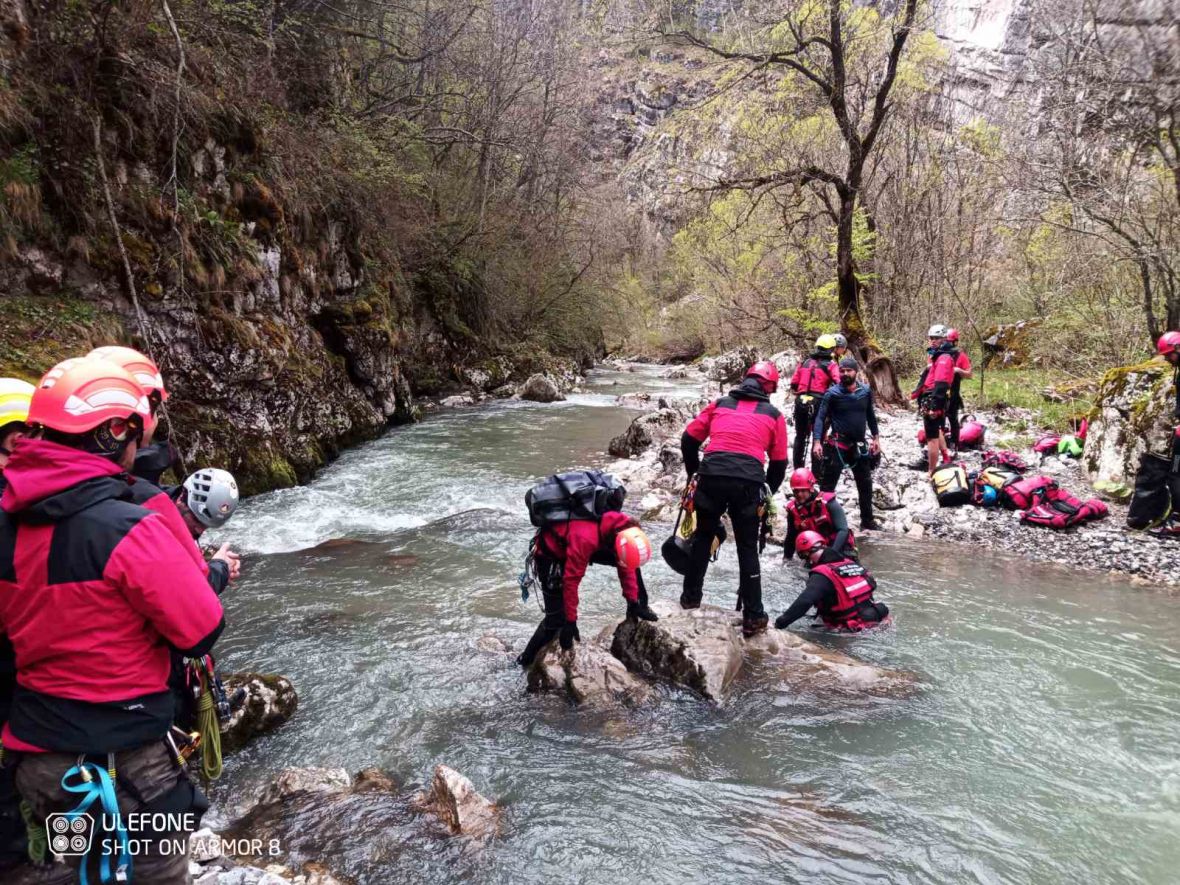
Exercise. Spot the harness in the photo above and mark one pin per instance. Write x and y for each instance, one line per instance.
(94, 784)
(854, 587)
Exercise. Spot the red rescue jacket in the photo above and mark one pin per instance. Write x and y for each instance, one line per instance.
(814, 517)
(575, 543)
(812, 377)
(743, 430)
(94, 590)
(854, 587)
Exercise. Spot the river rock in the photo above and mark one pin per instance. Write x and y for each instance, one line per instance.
(588, 674)
(204, 845)
(646, 430)
(269, 702)
(698, 649)
(1134, 415)
(454, 800)
(730, 367)
(818, 668)
(504, 391)
(541, 389)
(290, 781)
(454, 402)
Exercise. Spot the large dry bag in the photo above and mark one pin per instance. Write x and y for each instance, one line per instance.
(1155, 490)
(579, 494)
(951, 486)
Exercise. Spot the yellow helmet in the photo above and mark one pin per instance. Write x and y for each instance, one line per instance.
(826, 342)
(15, 396)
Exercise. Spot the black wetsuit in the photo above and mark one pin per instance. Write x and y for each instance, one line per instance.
(846, 413)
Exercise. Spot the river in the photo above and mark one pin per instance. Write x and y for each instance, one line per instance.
(1042, 746)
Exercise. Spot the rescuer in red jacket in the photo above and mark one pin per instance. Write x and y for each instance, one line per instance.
(933, 394)
(743, 430)
(95, 593)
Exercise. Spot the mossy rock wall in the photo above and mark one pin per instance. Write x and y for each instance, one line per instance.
(1133, 414)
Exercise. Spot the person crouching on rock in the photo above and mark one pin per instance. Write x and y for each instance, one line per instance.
(563, 551)
(840, 589)
(743, 428)
(810, 510)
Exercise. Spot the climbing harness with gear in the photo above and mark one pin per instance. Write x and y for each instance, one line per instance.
(94, 784)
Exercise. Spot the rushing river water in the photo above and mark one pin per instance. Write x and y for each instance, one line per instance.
(1042, 746)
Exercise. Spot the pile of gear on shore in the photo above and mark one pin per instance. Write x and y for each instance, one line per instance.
(110, 702)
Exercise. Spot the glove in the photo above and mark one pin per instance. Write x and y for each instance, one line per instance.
(640, 611)
(569, 635)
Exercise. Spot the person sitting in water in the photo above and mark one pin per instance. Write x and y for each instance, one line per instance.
(810, 510)
(840, 589)
(561, 553)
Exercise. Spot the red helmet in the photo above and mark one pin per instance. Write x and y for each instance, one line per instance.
(952, 335)
(1169, 343)
(802, 479)
(142, 368)
(765, 370)
(632, 548)
(78, 395)
(808, 542)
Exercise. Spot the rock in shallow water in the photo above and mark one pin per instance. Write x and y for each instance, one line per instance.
(698, 649)
(541, 389)
(589, 674)
(454, 800)
(270, 701)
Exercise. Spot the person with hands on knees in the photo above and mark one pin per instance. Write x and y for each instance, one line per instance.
(562, 551)
(743, 431)
(838, 588)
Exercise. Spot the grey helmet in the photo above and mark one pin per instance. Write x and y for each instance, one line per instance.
(841, 341)
(212, 496)
(938, 330)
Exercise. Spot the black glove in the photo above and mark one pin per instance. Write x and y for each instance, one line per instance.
(640, 611)
(569, 635)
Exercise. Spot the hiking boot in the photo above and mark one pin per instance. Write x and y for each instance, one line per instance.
(640, 611)
(754, 626)
(686, 603)
(871, 525)
(1170, 528)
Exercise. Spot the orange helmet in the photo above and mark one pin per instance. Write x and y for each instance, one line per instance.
(78, 395)
(766, 372)
(146, 372)
(1169, 342)
(632, 548)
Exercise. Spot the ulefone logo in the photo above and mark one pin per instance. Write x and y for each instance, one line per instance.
(70, 836)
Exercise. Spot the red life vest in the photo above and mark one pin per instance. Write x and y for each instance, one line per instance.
(854, 587)
(813, 378)
(814, 516)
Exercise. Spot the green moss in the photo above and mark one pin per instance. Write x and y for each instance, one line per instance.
(262, 470)
(39, 331)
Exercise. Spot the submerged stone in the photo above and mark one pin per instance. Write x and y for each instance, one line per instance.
(270, 701)
(454, 800)
(589, 674)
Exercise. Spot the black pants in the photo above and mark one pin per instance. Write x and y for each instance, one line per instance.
(715, 496)
(804, 419)
(549, 575)
(862, 473)
(952, 417)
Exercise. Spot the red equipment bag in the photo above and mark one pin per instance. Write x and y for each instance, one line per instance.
(1020, 495)
(971, 433)
(1004, 458)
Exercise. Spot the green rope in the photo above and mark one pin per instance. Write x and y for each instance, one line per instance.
(38, 835)
(210, 729)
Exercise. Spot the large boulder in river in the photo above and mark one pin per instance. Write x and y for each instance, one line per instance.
(541, 389)
(454, 800)
(1132, 415)
(647, 430)
(269, 701)
(588, 674)
(699, 649)
(807, 666)
(729, 367)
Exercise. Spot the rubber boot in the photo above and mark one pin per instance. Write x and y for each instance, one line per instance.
(541, 638)
(754, 626)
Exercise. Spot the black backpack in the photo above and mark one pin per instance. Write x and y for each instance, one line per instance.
(580, 494)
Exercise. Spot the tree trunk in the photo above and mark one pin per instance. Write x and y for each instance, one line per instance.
(878, 367)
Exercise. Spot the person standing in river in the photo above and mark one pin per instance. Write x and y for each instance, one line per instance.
(846, 435)
(743, 430)
(810, 381)
(839, 589)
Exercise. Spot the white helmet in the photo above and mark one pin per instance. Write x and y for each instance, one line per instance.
(212, 496)
(841, 341)
(938, 330)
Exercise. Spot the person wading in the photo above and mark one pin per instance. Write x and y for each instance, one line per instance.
(809, 383)
(962, 373)
(810, 510)
(846, 436)
(838, 588)
(743, 430)
(95, 592)
(933, 394)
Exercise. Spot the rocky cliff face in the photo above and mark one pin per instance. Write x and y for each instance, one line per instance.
(1132, 415)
